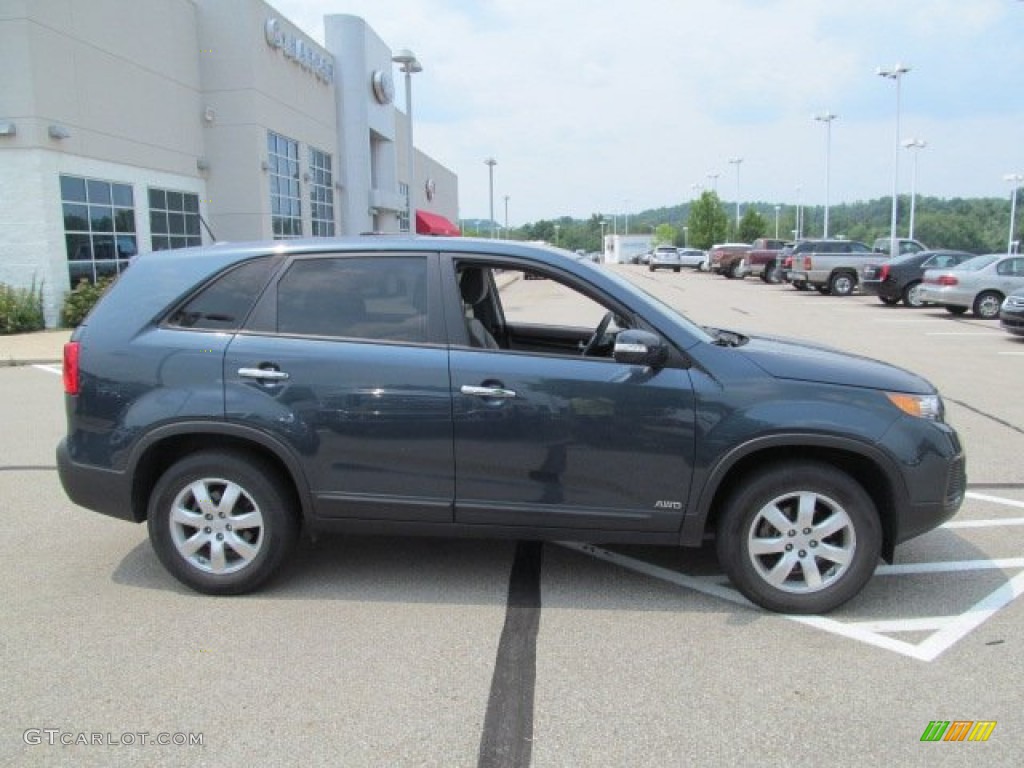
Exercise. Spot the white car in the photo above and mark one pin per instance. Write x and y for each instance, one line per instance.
(664, 257)
(692, 257)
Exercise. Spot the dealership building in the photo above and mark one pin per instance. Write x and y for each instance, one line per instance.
(128, 127)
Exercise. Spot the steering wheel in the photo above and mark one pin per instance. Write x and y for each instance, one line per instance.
(598, 334)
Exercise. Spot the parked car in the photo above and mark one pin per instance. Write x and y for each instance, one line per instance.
(1011, 315)
(693, 257)
(665, 257)
(979, 284)
(830, 266)
(904, 245)
(728, 258)
(763, 260)
(900, 279)
(231, 395)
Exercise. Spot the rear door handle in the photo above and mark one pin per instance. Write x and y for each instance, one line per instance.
(496, 392)
(263, 374)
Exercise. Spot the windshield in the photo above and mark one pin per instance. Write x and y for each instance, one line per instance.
(978, 262)
(627, 285)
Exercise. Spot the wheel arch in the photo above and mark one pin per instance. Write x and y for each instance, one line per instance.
(167, 445)
(868, 466)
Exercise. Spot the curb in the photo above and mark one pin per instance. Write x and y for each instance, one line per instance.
(12, 363)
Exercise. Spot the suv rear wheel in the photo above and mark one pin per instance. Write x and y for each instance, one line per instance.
(800, 537)
(221, 524)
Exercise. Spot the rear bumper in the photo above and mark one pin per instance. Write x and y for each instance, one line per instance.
(101, 490)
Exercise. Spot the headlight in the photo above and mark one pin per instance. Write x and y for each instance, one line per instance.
(922, 406)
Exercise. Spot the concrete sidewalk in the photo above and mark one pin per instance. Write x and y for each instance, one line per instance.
(31, 348)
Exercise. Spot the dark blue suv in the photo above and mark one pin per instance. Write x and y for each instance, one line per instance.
(235, 395)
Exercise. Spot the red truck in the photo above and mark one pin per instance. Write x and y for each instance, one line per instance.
(764, 259)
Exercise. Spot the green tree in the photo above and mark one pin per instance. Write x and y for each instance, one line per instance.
(707, 222)
(665, 234)
(752, 226)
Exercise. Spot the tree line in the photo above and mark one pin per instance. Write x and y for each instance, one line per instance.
(977, 225)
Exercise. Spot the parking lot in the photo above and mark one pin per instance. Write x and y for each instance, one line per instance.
(419, 652)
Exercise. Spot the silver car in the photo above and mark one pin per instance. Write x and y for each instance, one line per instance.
(664, 257)
(979, 284)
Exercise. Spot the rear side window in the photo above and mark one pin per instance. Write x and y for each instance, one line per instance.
(224, 304)
(380, 299)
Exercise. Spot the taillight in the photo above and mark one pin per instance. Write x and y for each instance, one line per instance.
(71, 350)
(807, 262)
(947, 280)
(883, 272)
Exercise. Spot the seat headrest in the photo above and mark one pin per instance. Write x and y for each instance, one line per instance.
(473, 285)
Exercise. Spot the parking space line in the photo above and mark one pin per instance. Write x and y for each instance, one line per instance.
(994, 499)
(997, 523)
(946, 631)
(55, 369)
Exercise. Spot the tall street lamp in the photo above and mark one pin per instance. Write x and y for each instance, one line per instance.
(506, 214)
(714, 181)
(1015, 179)
(626, 205)
(686, 237)
(558, 227)
(777, 209)
(409, 66)
(916, 145)
(827, 118)
(799, 214)
(736, 161)
(896, 74)
(491, 162)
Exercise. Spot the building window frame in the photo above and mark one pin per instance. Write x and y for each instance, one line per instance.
(285, 186)
(174, 219)
(403, 215)
(321, 193)
(100, 232)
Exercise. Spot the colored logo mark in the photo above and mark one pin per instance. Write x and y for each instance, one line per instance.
(958, 730)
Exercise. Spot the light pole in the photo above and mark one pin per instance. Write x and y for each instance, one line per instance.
(686, 237)
(410, 65)
(714, 182)
(827, 118)
(777, 209)
(799, 215)
(896, 74)
(1015, 179)
(604, 223)
(626, 204)
(506, 215)
(736, 161)
(491, 162)
(916, 145)
(557, 228)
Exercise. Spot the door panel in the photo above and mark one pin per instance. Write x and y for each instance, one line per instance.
(570, 442)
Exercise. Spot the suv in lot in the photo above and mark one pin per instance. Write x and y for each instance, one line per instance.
(236, 394)
(665, 257)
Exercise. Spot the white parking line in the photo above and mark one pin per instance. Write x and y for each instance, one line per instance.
(50, 369)
(994, 499)
(946, 631)
(960, 333)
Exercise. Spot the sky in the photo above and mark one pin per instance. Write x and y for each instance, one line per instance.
(615, 108)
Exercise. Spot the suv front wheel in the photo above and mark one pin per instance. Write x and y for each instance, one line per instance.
(799, 537)
(221, 524)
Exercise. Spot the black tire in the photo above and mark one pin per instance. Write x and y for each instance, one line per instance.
(675, 269)
(253, 533)
(800, 285)
(889, 301)
(842, 284)
(912, 294)
(844, 559)
(824, 290)
(650, 269)
(771, 273)
(987, 305)
(956, 310)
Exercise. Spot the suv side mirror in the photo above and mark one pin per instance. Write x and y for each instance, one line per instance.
(636, 347)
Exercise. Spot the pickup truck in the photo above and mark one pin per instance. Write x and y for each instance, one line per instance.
(831, 266)
(764, 258)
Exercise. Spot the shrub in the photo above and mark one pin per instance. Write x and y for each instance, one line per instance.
(21, 309)
(81, 300)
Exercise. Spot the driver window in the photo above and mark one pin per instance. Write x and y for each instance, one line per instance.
(529, 299)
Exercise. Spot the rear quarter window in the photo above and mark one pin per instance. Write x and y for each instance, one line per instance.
(224, 303)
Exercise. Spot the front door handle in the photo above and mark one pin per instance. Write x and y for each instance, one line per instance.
(263, 374)
(496, 392)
